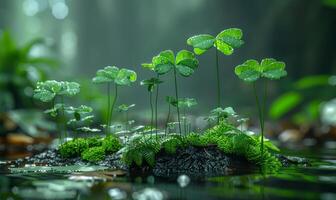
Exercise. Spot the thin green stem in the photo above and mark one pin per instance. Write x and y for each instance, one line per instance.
(218, 81)
(168, 116)
(263, 117)
(113, 103)
(151, 107)
(156, 107)
(63, 117)
(177, 106)
(260, 115)
(108, 108)
(185, 122)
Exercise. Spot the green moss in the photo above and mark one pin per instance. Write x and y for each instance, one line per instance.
(76, 147)
(93, 154)
(111, 144)
(73, 148)
(228, 139)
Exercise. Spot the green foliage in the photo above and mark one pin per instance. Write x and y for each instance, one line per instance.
(251, 70)
(20, 70)
(225, 41)
(220, 114)
(187, 102)
(114, 74)
(125, 108)
(185, 62)
(75, 147)
(226, 137)
(284, 104)
(93, 154)
(48, 90)
(111, 144)
(151, 83)
(140, 149)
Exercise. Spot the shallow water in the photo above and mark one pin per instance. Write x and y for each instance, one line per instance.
(317, 181)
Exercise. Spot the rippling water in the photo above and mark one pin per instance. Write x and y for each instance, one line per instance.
(317, 181)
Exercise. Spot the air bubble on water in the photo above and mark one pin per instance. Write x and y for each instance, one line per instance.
(116, 193)
(148, 194)
(183, 180)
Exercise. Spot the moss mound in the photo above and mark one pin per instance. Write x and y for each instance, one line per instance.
(226, 137)
(90, 149)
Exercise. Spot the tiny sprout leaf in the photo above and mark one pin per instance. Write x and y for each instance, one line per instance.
(187, 102)
(149, 66)
(171, 100)
(124, 107)
(201, 43)
(125, 77)
(151, 83)
(108, 74)
(251, 70)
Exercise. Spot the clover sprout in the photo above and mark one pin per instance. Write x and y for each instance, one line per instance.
(225, 42)
(118, 77)
(124, 108)
(151, 83)
(151, 67)
(251, 71)
(49, 90)
(184, 104)
(184, 63)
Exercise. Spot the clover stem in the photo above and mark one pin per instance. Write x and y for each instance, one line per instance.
(151, 106)
(263, 118)
(113, 103)
(168, 116)
(156, 107)
(260, 118)
(185, 122)
(218, 84)
(63, 117)
(177, 106)
(108, 108)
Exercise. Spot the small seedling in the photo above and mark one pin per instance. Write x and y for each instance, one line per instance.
(171, 102)
(151, 67)
(119, 77)
(49, 90)
(251, 71)
(125, 108)
(225, 42)
(184, 63)
(185, 104)
(151, 83)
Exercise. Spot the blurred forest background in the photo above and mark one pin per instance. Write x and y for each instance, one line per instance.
(80, 37)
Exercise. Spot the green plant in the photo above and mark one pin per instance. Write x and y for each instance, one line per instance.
(93, 154)
(124, 108)
(20, 70)
(140, 149)
(151, 67)
(111, 144)
(73, 148)
(48, 91)
(171, 101)
(120, 77)
(225, 42)
(219, 114)
(151, 83)
(226, 137)
(251, 71)
(184, 104)
(185, 64)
